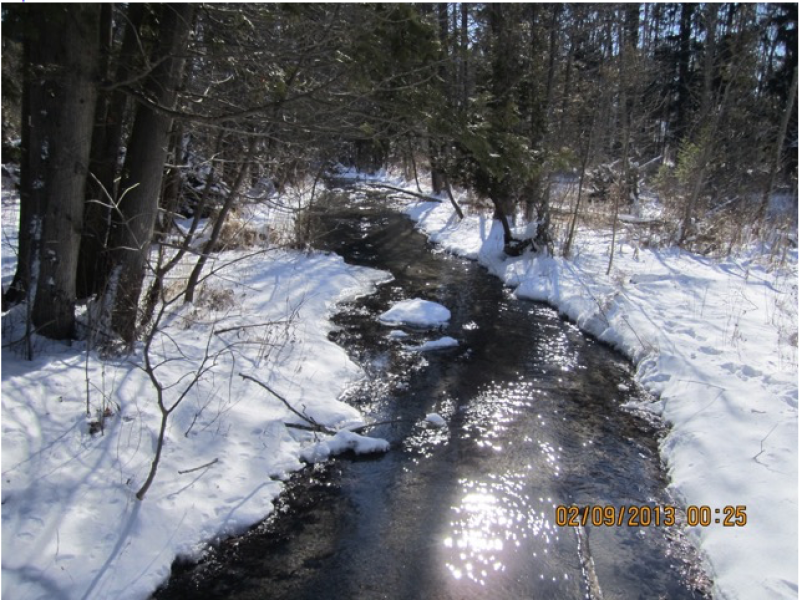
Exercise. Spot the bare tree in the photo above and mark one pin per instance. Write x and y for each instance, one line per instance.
(776, 166)
(169, 396)
(222, 215)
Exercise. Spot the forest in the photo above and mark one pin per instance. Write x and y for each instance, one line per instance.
(385, 297)
(184, 101)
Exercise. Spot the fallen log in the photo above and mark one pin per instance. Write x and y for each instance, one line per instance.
(403, 191)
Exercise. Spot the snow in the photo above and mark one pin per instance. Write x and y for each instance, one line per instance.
(715, 343)
(438, 344)
(416, 313)
(341, 442)
(436, 420)
(72, 527)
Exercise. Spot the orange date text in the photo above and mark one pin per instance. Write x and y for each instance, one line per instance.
(614, 516)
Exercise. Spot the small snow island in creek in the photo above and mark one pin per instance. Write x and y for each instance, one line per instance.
(416, 313)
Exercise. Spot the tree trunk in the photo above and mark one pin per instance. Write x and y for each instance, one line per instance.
(435, 160)
(157, 286)
(106, 143)
(34, 96)
(194, 278)
(456, 206)
(553, 32)
(504, 75)
(135, 216)
(776, 166)
(154, 465)
(630, 30)
(712, 112)
(413, 162)
(447, 62)
(575, 213)
(684, 80)
(464, 83)
(500, 214)
(172, 180)
(569, 68)
(70, 38)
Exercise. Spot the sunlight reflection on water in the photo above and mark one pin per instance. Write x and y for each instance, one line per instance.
(494, 521)
(467, 510)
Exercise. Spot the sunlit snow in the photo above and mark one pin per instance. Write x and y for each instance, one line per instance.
(715, 342)
(72, 527)
(438, 344)
(416, 313)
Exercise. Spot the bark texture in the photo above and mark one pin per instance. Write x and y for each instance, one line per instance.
(134, 218)
(70, 45)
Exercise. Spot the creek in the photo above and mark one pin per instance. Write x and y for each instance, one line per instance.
(534, 421)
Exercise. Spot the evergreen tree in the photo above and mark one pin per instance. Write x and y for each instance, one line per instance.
(497, 97)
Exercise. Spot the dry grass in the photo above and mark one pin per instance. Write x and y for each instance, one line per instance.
(237, 234)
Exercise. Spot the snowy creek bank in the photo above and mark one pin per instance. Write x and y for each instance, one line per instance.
(489, 438)
(72, 527)
(714, 342)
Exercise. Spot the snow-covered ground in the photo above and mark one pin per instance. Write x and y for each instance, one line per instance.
(72, 527)
(715, 342)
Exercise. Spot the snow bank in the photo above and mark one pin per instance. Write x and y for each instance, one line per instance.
(436, 420)
(715, 343)
(416, 313)
(72, 527)
(343, 441)
(438, 344)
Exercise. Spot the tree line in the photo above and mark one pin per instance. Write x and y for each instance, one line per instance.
(132, 113)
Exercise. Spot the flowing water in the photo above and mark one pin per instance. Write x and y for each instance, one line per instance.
(468, 511)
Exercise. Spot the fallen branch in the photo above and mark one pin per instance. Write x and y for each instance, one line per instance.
(403, 191)
(313, 428)
(208, 464)
(306, 418)
(241, 327)
(362, 428)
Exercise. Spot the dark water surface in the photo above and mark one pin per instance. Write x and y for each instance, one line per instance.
(534, 421)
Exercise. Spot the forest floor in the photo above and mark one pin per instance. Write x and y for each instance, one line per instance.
(713, 341)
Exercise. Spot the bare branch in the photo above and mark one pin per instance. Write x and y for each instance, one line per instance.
(208, 464)
(286, 403)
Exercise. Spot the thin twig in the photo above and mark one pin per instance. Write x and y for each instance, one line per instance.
(703, 383)
(762, 450)
(306, 418)
(377, 423)
(241, 327)
(208, 464)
